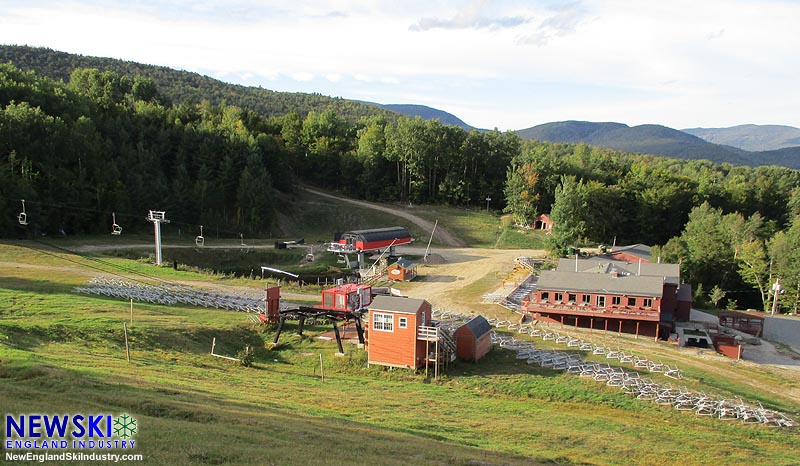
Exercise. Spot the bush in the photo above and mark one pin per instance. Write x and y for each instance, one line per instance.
(246, 356)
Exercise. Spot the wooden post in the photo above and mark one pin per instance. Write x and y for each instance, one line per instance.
(427, 355)
(127, 348)
(131, 311)
(562, 320)
(637, 329)
(620, 327)
(658, 327)
(591, 324)
(213, 344)
(321, 368)
(606, 325)
(436, 362)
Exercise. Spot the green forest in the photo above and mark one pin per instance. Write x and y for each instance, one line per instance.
(77, 150)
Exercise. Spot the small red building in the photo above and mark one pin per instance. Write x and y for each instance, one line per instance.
(402, 270)
(392, 338)
(473, 339)
(543, 222)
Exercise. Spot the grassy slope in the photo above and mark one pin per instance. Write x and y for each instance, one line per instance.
(62, 353)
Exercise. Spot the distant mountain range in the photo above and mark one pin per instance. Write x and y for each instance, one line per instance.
(751, 137)
(657, 140)
(426, 113)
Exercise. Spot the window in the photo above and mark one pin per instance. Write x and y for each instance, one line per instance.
(327, 300)
(631, 301)
(648, 302)
(572, 298)
(339, 301)
(402, 322)
(383, 322)
(616, 300)
(545, 295)
(587, 298)
(601, 301)
(559, 297)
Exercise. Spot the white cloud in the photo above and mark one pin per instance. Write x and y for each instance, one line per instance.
(303, 76)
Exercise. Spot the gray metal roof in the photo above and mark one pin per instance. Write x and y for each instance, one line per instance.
(637, 250)
(600, 283)
(479, 326)
(396, 304)
(605, 265)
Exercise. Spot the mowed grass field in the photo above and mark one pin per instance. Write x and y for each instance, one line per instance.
(63, 352)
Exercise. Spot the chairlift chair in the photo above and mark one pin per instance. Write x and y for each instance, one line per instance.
(23, 217)
(200, 241)
(115, 229)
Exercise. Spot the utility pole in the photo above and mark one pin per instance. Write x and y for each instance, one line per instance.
(776, 290)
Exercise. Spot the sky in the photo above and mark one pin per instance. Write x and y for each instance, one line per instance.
(505, 64)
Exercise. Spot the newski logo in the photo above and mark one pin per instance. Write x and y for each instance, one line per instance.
(34, 431)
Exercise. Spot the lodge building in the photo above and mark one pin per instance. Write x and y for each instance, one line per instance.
(600, 293)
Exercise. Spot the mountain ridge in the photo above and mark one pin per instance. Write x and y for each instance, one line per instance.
(751, 137)
(657, 140)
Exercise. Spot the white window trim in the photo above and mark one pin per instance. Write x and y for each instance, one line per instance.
(402, 322)
(379, 317)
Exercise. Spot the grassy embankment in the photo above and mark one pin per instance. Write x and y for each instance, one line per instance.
(64, 353)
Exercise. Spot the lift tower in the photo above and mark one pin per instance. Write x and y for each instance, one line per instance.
(157, 217)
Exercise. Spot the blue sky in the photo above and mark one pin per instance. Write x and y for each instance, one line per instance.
(506, 64)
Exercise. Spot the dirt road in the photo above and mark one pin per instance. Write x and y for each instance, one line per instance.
(441, 234)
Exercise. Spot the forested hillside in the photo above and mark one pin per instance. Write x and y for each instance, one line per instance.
(183, 86)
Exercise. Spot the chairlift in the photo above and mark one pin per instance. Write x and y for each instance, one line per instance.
(23, 217)
(200, 241)
(115, 229)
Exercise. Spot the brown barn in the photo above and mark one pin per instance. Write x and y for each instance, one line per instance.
(402, 270)
(393, 331)
(473, 339)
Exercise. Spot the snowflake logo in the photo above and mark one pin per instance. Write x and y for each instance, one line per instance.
(124, 426)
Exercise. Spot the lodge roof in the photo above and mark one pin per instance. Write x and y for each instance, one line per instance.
(556, 280)
(396, 304)
(639, 250)
(605, 265)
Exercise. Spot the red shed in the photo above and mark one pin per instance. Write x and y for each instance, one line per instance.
(543, 222)
(402, 270)
(473, 339)
(392, 336)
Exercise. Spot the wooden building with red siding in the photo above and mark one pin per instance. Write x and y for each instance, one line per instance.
(402, 271)
(392, 338)
(473, 339)
(601, 294)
